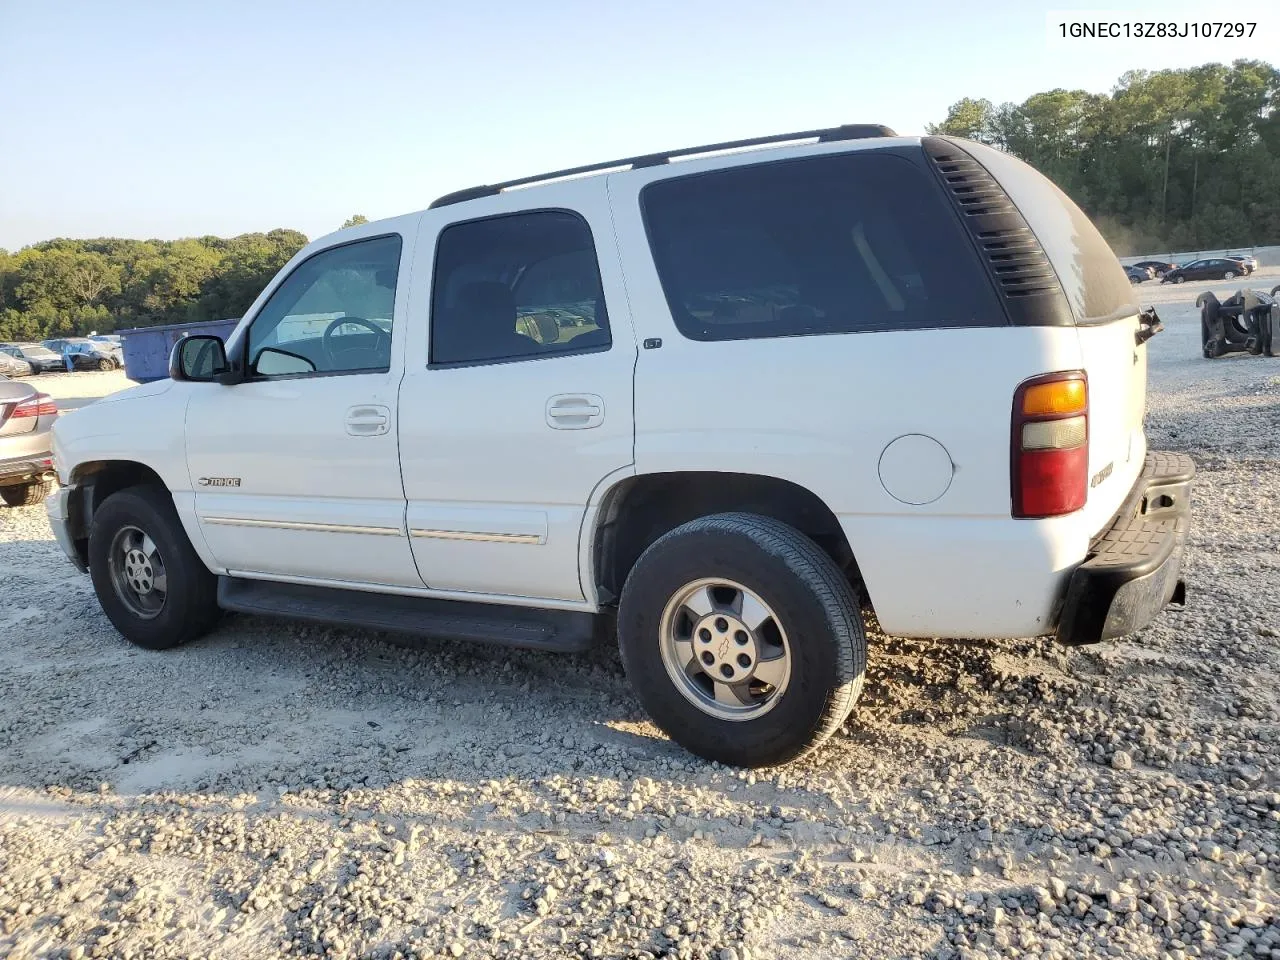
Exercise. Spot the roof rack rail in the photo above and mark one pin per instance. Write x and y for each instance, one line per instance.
(850, 131)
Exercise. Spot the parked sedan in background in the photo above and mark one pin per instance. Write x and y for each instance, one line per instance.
(41, 358)
(1218, 268)
(1246, 260)
(1157, 268)
(12, 366)
(84, 353)
(1137, 274)
(26, 457)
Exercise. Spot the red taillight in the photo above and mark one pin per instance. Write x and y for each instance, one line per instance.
(41, 405)
(1050, 445)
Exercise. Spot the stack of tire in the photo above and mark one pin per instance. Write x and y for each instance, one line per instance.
(1246, 322)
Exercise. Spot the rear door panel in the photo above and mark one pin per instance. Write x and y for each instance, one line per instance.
(498, 468)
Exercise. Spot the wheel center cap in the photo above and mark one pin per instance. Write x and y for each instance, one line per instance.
(725, 648)
(138, 571)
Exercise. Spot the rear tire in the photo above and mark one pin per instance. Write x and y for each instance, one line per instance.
(764, 601)
(152, 585)
(1229, 275)
(26, 494)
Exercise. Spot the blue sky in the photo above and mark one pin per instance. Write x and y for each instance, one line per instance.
(168, 119)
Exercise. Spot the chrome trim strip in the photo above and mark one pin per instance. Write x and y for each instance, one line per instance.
(531, 538)
(309, 527)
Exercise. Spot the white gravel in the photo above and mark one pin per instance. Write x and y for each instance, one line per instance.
(281, 790)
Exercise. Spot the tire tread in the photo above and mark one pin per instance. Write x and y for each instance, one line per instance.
(193, 589)
(837, 597)
(27, 494)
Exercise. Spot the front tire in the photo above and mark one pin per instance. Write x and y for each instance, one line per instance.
(743, 639)
(1229, 275)
(1179, 279)
(26, 494)
(152, 586)
(105, 365)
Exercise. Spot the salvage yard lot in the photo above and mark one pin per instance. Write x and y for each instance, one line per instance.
(279, 789)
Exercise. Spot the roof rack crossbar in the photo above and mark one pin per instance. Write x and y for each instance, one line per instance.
(850, 131)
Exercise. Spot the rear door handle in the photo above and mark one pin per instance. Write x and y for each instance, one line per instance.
(368, 421)
(575, 411)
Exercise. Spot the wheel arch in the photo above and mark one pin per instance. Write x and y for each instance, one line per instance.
(91, 482)
(638, 509)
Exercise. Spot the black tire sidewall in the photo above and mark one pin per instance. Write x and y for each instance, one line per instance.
(796, 722)
(20, 495)
(190, 603)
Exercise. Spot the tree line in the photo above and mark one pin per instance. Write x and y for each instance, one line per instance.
(68, 287)
(1170, 160)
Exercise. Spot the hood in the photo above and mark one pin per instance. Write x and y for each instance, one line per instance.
(153, 389)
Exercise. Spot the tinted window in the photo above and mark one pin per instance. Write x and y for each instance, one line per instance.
(516, 287)
(333, 314)
(825, 245)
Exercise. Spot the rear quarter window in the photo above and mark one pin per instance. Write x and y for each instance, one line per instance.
(1096, 286)
(840, 243)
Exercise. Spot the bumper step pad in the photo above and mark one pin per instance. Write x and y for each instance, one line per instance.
(1134, 568)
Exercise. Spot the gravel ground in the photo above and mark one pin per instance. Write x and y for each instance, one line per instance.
(281, 790)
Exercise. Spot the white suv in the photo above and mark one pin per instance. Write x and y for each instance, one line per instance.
(732, 397)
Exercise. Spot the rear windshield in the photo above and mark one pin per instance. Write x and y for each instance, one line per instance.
(833, 244)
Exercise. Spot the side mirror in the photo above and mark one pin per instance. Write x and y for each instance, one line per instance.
(200, 358)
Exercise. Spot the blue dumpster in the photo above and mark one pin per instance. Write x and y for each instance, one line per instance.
(147, 349)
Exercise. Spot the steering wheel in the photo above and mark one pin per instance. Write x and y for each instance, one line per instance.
(375, 352)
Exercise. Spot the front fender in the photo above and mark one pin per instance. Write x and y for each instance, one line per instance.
(144, 425)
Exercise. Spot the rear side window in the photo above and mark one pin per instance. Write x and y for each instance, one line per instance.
(834, 244)
(516, 287)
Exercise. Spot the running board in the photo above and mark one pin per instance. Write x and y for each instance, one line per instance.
(561, 631)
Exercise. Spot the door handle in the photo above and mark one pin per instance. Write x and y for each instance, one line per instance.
(575, 411)
(368, 421)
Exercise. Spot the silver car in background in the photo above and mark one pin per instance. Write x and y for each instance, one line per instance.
(40, 357)
(26, 452)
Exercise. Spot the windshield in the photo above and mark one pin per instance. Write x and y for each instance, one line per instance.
(34, 350)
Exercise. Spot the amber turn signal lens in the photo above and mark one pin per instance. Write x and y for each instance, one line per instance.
(1054, 398)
